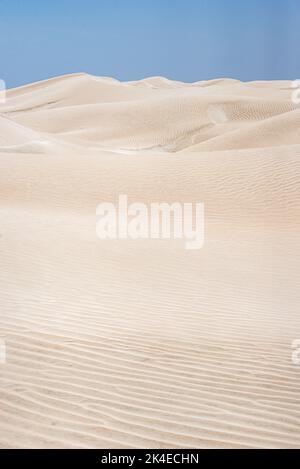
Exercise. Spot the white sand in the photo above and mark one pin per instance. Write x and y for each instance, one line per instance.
(142, 343)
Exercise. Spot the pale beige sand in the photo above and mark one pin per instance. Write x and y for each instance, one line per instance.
(143, 343)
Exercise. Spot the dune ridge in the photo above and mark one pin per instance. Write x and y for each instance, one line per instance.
(124, 343)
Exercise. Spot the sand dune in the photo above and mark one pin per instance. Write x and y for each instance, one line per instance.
(85, 110)
(140, 343)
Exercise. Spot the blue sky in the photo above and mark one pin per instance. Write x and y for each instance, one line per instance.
(187, 40)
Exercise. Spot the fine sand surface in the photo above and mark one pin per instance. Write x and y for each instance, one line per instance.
(142, 343)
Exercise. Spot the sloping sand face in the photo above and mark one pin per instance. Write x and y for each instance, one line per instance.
(141, 343)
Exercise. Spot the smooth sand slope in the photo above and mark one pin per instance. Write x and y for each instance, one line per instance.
(142, 343)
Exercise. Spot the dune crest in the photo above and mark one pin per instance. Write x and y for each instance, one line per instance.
(97, 113)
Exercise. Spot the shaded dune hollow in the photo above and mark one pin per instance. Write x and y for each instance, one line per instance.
(142, 343)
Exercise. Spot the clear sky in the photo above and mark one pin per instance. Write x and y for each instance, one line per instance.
(187, 40)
